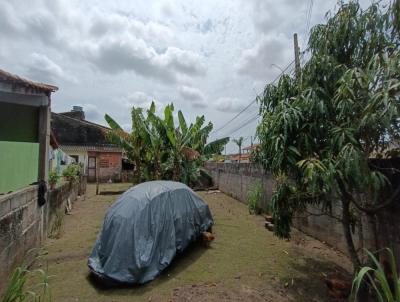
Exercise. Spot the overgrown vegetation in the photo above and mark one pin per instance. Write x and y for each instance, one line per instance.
(53, 178)
(28, 285)
(161, 150)
(58, 224)
(320, 130)
(383, 281)
(71, 172)
(254, 198)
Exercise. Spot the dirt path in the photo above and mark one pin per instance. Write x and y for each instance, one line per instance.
(245, 262)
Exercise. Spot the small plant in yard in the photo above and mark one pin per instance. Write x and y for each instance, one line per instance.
(57, 228)
(385, 284)
(53, 179)
(254, 197)
(19, 288)
(71, 172)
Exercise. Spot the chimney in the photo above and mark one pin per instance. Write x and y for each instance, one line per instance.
(77, 108)
(77, 112)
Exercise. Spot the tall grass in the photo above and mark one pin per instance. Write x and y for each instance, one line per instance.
(254, 197)
(28, 285)
(57, 227)
(384, 289)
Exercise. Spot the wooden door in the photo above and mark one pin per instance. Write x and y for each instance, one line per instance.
(92, 169)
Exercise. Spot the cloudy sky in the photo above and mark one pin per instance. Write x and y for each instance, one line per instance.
(206, 56)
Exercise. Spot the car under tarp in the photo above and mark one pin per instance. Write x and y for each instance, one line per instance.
(144, 230)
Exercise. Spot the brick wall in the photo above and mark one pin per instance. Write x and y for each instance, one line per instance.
(109, 165)
(24, 224)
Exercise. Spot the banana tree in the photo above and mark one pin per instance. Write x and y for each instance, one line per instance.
(131, 142)
(188, 145)
(178, 140)
(155, 137)
(159, 148)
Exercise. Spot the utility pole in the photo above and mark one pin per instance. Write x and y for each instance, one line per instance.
(251, 141)
(297, 56)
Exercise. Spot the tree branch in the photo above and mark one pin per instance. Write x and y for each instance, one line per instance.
(373, 209)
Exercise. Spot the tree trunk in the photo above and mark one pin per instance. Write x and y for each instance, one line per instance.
(137, 176)
(177, 170)
(347, 233)
(157, 169)
(372, 228)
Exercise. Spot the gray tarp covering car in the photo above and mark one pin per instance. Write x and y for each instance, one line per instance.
(145, 228)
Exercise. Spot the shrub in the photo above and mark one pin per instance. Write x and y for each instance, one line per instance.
(254, 197)
(384, 289)
(19, 288)
(57, 227)
(71, 172)
(53, 178)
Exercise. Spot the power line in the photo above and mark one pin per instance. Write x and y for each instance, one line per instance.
(231, 120)
(252, 102)
(247, 122)
(240, 120)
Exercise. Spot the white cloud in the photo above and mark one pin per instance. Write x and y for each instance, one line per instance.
(140, 99)
(137, 98)
(258, 61)
(193, 95)
(118, 53)
(114, 23)
(227, 104)
(92, 113)
(42, 68)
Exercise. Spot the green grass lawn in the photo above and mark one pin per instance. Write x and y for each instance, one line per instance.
(244, 263)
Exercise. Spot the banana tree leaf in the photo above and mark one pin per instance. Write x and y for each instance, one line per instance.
(111, 122)
(216, 146)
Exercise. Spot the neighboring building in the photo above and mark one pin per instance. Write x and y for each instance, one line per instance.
(86, 143)
(24, 132)
(245, 157)
(247, 150)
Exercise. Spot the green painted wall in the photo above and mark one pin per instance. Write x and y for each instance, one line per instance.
(19, 123)
(19, 162)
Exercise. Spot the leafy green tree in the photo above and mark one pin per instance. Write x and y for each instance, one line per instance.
(130, 142)
(159, 149)
(319, 132)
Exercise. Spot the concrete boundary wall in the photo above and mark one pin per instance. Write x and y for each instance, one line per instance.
(237, 180)
(25, 225)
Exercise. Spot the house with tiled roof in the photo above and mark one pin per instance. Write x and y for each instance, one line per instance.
(86, 142)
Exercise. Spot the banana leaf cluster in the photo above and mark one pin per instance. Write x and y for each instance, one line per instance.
(160, 149)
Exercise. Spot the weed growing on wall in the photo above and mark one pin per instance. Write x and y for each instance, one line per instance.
(57, 227)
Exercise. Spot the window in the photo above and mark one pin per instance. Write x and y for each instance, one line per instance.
(76, 157)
